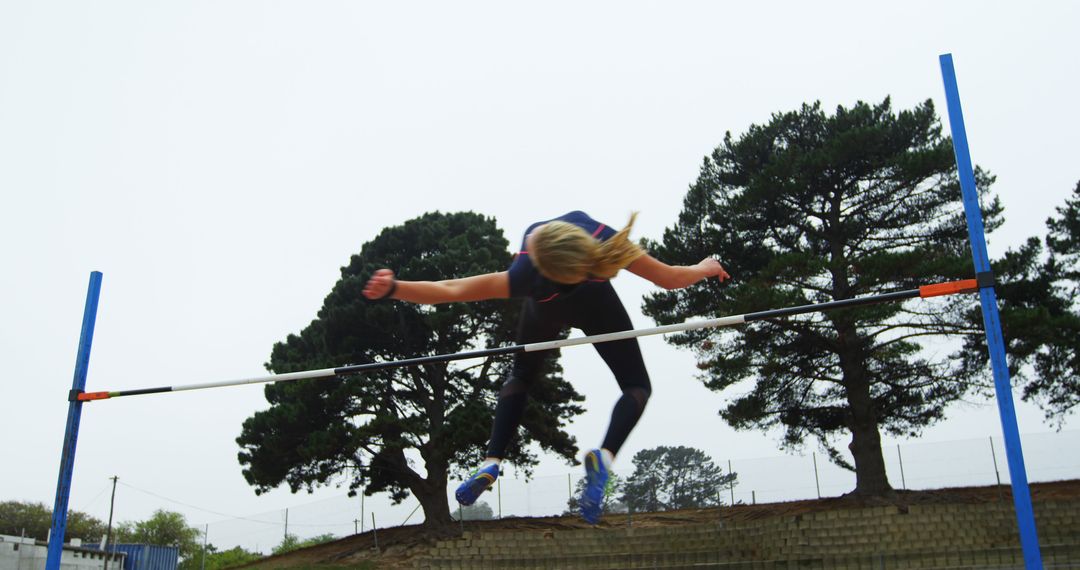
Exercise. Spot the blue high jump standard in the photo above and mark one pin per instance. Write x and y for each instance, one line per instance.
(71, 433)
(1025, 515)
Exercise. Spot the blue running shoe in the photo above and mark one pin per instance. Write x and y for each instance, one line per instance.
(477, 483)
(596, 478)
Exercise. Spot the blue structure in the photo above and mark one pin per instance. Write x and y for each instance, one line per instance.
(147, 556)
(1025, 515)
(71, 433)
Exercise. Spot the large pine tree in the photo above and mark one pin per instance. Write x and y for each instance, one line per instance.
(813, 207)
(370, 428)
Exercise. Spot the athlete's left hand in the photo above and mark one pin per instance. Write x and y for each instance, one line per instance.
(381, 284)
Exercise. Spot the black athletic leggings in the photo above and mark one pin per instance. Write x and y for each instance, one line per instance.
(593, 307)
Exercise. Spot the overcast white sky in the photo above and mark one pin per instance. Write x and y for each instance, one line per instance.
(220, 161)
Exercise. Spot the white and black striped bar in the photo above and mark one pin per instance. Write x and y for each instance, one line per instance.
(307, 374)
(725, 321)
(967, 286)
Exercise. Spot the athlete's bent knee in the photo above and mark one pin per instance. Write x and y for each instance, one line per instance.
(640, 395)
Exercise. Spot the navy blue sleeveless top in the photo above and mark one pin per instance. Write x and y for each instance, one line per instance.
(526, 280)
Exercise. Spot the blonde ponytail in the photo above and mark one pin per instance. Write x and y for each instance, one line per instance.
(565, 253)
(616, 252)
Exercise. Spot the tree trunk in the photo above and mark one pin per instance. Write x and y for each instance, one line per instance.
(430, 491)
(870, 476)
(432, 497)
(865, 446)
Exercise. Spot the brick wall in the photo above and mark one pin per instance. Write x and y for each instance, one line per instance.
(972, 535)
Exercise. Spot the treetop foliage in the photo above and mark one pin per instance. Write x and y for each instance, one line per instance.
(668, 478)
(21, 518)
(1038, 284)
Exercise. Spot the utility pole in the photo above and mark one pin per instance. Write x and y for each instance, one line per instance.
(108, 529)
(205, 536)
(731, 484)
(286, 525)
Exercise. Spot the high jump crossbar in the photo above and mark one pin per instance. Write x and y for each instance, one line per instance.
(935, 290)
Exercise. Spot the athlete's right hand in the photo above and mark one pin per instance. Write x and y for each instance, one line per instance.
(380, 285)
(712, 268)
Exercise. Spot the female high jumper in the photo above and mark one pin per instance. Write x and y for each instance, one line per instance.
(562, 270)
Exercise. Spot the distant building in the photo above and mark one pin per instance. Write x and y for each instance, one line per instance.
(20, 553)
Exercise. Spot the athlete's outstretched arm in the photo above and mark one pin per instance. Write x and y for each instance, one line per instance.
(676, 276)
(475, 288)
